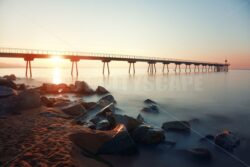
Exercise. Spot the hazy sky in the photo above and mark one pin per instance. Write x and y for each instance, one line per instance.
(210, 30)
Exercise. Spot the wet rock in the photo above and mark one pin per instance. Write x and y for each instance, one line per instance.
(151, 109)
(7, 83)
(101, 90)
(179, 126)
(169, 142)
(89, 124)
(60, 102)
(148, 135)
(46, 102)
(207, 138)
(10, 77)
(140, 118)
(83, 88)
(149, 101)
(6, 91)
(107, 100)
(103, 125)
(227, 140)
(55, 88)
(200, 153)
(129, 122)
(89, 105)
(115, 141)
(74, 110)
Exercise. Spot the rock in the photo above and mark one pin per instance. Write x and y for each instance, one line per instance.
(149, 101)
(6, 91)
(28, 99)
(181, 126)
(151, 109)
(74, 110)
(89, 124)
(11, 77)
(89, 105)
(200, 153)
(107, 100)
(103, 125)
(148, 135)
(140, 118)
(7, 83)
(101, 90)
(54, 88)
(129, 122)
(227, 140)
(83, 88)
(21, 87)
(60, 102)
(115, 141)
(46, 102)
(207, 138)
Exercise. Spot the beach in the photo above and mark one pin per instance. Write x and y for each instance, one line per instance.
(208, 107)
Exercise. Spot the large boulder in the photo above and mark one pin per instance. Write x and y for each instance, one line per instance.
(115, 141)
(153, 109)
(107, 100)
(227, 140)
(179, 126)
(7, 83)
(149, 101)
(101, 90)
(24, 100)
(148, 135)
(83, 88)
(11, 77)
(46, 102)
(129, 122)
(6, 91)
(74, 110)
(89, 105)
(55, 88)
(28, 99)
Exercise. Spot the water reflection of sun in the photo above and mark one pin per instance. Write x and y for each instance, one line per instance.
(57, 75)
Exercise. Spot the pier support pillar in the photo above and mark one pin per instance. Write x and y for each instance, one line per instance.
(151, 67)
(28, 68)
(133, 64)
(163, 68)
(103, 69)
(74, 62)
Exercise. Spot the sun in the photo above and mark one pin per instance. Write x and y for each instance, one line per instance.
(56, 59)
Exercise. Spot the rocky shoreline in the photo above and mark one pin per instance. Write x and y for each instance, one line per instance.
(91, 129)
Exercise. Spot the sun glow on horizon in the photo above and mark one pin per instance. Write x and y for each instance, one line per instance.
(56, 59)
(56, 76)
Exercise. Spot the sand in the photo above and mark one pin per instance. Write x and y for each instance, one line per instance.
(35, 138)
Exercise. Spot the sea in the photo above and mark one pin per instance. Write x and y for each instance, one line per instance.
(211, 101)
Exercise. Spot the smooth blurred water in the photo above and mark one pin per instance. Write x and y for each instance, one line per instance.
(217, 100)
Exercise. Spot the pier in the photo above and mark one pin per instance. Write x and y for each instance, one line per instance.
(30, 54)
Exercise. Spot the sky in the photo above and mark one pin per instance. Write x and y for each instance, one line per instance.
(208, 30)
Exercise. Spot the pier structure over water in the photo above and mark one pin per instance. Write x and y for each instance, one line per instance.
(30, 54)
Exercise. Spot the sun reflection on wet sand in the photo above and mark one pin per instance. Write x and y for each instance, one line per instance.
(56, 75)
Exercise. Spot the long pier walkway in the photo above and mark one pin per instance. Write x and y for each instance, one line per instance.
(30, 54)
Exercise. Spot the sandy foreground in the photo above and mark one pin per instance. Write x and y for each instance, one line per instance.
(34, 139)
